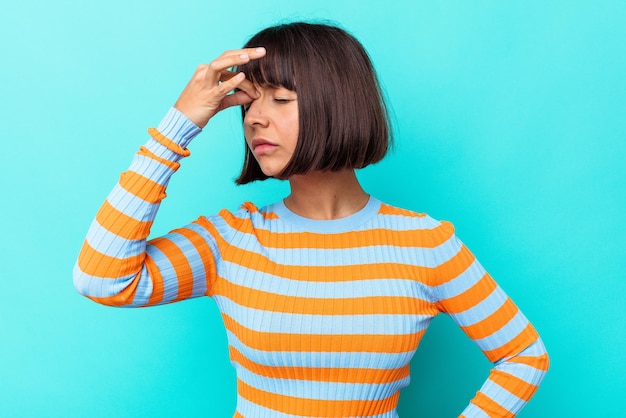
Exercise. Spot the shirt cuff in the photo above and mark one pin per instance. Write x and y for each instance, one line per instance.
(178, 128)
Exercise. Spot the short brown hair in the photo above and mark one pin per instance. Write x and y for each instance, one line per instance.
(343, 118)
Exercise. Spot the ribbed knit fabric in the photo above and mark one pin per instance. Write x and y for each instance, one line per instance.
(322, 317)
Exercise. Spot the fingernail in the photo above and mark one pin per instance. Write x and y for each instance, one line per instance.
(260, 49)
(244, 56)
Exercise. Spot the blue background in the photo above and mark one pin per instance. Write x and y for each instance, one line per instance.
(510, 120)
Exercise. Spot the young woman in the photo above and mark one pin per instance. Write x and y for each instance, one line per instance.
(326, 294)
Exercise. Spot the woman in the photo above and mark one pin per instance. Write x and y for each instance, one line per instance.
(326, 294)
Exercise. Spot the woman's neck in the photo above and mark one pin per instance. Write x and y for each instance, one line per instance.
(326, 195)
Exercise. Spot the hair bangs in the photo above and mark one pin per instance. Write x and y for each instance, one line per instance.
(276, 68)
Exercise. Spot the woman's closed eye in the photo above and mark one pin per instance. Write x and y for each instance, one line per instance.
(282, 100)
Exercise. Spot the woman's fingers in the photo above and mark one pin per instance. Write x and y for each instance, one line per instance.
(209, 89)
(238, 98)
(245, 84)
(231, 59)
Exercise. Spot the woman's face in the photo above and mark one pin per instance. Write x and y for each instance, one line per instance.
(271, 128)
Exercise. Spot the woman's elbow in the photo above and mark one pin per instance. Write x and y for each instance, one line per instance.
(107, 292)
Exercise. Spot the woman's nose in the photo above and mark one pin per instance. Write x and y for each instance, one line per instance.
(254, 114)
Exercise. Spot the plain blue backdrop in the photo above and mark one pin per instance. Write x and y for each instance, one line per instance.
(510, 121)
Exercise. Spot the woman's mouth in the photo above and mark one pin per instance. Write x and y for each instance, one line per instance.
(261, 146)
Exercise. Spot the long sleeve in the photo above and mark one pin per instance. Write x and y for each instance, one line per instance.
(117, 265)
(487, 315)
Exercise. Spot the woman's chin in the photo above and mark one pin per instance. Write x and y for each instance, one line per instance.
(273, 172)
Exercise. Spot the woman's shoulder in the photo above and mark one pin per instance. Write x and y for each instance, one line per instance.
(410, 215)
(386, 209)
(413, 222)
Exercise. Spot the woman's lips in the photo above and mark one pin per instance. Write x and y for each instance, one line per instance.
(262, 146)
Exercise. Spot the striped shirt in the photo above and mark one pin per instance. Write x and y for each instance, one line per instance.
(322, 317)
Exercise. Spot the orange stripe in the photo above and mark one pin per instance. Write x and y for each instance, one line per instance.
(142, 187)
(325, 274)
(316, 407)
(169, 164)
(166, 142)
(425, 238)
(121, 224)
(158, 287)
(257, 262)
(541, 363)
(182, 269)
(392, 210)
(515, 345)
(493, 322)
(513, 384)
(251, 207)
(452, 268)
(471, 297)
(206, 255)
(125, 297)
(371, 343)
(94, 263)
(491, 407)
(322, 374)
(268, 301)
(270, 216)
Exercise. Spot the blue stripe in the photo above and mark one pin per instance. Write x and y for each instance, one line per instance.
(144, 289)
(502, 396)
(482, 310)
(326, 391)
(152, 169)
(96, 286)
(504, 334)
(265, 282)
(303, 324)
(165, 267)
(131, 205)
(520, 370)
(461, 283)
(374, 254)
(194, 260)
(399, 223)
(249, 409)
(107, 243)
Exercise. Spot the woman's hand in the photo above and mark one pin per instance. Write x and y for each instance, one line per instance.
(208, 90)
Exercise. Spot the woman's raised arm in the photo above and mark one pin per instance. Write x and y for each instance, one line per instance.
(117, 265)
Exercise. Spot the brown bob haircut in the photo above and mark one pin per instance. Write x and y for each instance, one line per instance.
(343, 118)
